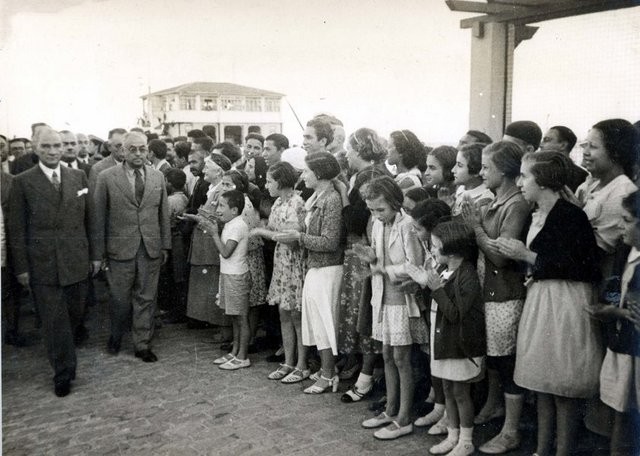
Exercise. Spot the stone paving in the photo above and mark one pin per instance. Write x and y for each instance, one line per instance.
(181, 405)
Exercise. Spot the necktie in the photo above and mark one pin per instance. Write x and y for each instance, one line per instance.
(139, 184)
(55, 181)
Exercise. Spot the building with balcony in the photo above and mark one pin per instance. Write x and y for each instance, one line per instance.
(231, 110)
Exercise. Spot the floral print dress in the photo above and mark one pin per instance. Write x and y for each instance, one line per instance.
(288, 261)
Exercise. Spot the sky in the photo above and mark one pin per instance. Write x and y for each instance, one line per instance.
(83, 65)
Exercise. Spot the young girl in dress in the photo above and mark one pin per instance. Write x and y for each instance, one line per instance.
(397, 321)
(426, 216)
(285, 291)
(458, 338)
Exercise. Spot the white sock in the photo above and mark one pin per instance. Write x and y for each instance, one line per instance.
(466, 434)
(453, 434)
(439, 408)
(364, 381)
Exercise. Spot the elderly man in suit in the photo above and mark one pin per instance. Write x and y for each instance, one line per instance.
(116, 156)
(132, 233)
(48, 226)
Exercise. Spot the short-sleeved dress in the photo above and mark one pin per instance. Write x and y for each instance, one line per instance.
(288, 262)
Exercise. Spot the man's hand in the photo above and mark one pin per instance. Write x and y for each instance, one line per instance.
(23, 279)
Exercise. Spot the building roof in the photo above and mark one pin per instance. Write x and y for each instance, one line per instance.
(215, 88)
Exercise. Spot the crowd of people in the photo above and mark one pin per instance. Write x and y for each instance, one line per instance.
(501, 263)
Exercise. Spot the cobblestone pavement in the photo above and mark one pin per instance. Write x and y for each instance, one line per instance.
(181, 405)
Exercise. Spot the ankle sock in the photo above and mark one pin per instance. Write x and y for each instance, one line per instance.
(364, 381)
(466, 434)
(453, 434)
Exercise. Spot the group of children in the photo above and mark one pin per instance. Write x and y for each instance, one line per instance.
(494, 269)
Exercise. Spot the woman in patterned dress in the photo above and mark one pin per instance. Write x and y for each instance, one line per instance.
(503, 286)
(285, 291)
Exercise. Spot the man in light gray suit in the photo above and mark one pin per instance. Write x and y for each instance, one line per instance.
(132, 233)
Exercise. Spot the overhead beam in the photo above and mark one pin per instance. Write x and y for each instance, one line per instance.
(484, 8)
(556, 11)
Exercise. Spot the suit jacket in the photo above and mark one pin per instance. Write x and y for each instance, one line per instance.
(6, 182)
(48, 228)
(85, 167)
(24, 163)
(96, 169)
(120, 223)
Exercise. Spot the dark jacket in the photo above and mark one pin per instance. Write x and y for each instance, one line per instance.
(48, 229)
(566, 246)
(460, 328)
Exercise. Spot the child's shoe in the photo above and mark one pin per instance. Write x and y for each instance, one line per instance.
(235, 363)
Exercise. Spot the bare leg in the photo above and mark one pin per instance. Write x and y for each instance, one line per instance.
(402, 360)
(567, 410)
(546, 419)
(296, 317)
(392, 380)
(288, 337)
(243, 323)
(451, 404)
(236, 335)
(462, 395)
(494, 394)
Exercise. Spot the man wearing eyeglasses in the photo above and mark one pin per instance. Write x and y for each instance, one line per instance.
(132, 236)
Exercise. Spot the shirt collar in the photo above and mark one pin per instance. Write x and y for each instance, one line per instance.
(158, 165)
(634, 255)
(49, 171)
(130, 171)
(500, 200)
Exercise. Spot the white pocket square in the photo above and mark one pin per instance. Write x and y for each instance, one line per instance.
(84, 191)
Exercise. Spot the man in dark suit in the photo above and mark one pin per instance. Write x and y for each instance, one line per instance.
(48, 226)
(70, 152)
(132, 232)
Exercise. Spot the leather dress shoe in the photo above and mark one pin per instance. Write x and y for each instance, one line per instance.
(62, 387)
(113, 346)
(146, 355)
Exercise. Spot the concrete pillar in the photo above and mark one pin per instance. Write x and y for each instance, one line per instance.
(490, 78)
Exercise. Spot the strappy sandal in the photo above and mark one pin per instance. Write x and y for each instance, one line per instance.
(332, 384)
(355, 394)
(281, 372)
(296, 376)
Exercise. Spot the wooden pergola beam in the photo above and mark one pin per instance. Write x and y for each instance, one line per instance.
(548, 12)
(485, 8)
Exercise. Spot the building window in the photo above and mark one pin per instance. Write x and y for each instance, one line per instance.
(187, 103)
(209, 104)
(232, 103)
(253, 104)
(272, 104)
